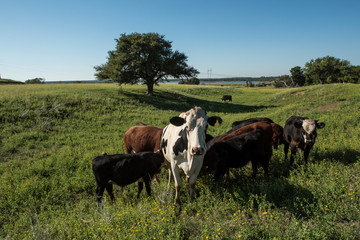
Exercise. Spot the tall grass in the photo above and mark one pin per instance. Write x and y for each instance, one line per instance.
(50, 133)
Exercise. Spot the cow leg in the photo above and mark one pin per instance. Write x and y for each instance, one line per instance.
(265, 165)
(191, 182)
(306, 154)
(147, 180)
(254, 168)
(178, 184)
(227, 175)
(140, 188)
(169, 170)
(99, 192)
(109, 189)
(148, 188)
(156, 178)
(286, 149)
(293, 153)
(220, 171)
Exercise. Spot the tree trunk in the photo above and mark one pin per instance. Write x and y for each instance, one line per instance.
(150, 88)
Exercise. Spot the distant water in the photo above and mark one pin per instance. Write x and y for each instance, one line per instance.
(215, 83)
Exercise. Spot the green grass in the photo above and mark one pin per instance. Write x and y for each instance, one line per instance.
(50, 133)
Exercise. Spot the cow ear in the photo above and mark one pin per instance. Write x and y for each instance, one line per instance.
(177, 121)
(320, 125)
(214, 119)
(298, 124)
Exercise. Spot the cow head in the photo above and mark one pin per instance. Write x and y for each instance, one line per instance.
(194, 123)
(277, 135)
(308, 129)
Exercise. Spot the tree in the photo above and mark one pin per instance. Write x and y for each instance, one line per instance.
(325, 70)
(192, 81)
(146, 58)
(35, 80)
(297, 76)
(283, 81)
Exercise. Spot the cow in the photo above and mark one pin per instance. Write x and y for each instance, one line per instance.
(253, 146)
(238, 124)
(226, 98)
(142, 139)
(147, 138)
(300, 133)
(183, 145)
(124, 169)
(276, 135)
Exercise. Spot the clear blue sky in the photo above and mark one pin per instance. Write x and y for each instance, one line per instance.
(64, 40)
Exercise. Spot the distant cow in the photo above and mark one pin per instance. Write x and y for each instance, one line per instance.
(124, 169)
(238, 150)
(226, 98)
(142, 139)
(300, 132)
(183, 145)
(239, 124)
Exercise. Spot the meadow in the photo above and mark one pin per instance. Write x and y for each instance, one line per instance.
(50, 133)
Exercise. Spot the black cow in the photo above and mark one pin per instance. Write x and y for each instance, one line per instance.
(124, 169)
(300, 132)
(226, 98)
(242, 123)
(236, 152)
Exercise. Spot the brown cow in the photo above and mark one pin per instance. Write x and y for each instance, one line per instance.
(142, 139)
(277, 133)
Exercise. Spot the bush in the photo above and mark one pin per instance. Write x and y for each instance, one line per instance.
(192, 81)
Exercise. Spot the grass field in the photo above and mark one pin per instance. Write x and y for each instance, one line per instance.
(50, 133)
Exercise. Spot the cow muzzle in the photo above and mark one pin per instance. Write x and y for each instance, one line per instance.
(197, 151)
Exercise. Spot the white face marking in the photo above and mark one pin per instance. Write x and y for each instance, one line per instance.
(196, 120)
(309, 125)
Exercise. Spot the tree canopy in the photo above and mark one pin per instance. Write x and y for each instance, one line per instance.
(35, 80)
(144, 58)
(191, 81)
(328, 70)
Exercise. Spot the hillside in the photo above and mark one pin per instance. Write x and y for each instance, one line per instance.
(50, 133)
(9, 81)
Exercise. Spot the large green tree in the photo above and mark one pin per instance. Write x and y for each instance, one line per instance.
(297, 76)
(146, 58)
(326, 70)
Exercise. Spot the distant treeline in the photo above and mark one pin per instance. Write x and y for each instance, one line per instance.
(234, 79)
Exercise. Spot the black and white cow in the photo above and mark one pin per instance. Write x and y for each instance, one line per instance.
(183, 145)
(300, 132)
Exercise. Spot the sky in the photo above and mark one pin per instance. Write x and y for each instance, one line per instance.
(64, 40)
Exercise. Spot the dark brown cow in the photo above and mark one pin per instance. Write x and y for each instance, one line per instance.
(236, 151)
(239, 124)
(124, 169)
(277, 134)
